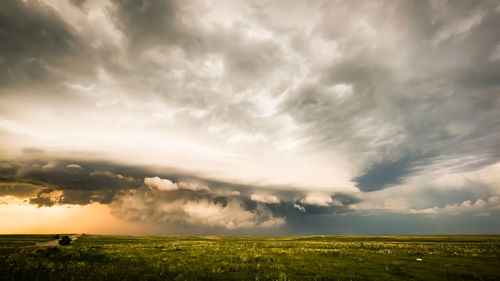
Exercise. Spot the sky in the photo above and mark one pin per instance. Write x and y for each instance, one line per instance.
(250, 117)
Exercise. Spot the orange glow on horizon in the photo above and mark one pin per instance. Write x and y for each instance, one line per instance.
(18, 216)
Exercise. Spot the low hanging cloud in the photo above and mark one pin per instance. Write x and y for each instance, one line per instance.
(265, 198)
(195, 204)
(480, 207)
(19, 189)
(299, 207)
(229, 213)
(165, 198)
(161, 184)
(319, 199)
(166, 184)
(76, 166)
(138, 194)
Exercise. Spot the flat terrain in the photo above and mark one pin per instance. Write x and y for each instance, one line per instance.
(54, 243)
(95, 257)
(17, 240)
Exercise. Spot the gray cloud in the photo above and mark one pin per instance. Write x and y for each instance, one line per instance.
(37, 44)
(401, 118)
(148, 22)
(172, 197)
(18, 189)
(381, 175)
(79, 3)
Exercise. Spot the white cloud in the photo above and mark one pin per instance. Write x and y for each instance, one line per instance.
(166, 184)
(299, 207)
(195, 186)
(480, 207)
(427, 211)
(161, 184)
(74, 166)
(320, 199)
(227, 192)
(265, 198)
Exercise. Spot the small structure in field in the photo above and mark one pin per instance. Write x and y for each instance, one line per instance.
(65, 240)
(420, 260)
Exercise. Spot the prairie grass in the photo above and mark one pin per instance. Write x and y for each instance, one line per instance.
(97, 257)
(16, 240)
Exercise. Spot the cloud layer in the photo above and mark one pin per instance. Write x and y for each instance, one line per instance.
(173, 198)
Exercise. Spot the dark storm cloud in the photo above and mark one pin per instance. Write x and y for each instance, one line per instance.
(164, 25)
(436, 100)
(404, 118)
(156, 30)
(77, 185)
(155, 195)
(19, 189)
(78, 3)
(35, 42)
(148, 22)
(381, 175)
(211, 208)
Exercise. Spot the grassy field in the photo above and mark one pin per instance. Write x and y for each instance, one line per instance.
(17, 240)
(95, 257)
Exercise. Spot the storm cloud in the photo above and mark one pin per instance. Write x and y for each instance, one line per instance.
(260, 113)
(174, 197)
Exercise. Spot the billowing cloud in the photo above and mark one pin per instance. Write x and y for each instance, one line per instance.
(161, 184)
(299, 207)
(229, 213)
(480, 207)
(401, 119)
(171, 197)
(264, 198)
(165, 184)
(46, 42)
(318, 199)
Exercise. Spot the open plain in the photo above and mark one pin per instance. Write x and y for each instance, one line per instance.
(99, 257)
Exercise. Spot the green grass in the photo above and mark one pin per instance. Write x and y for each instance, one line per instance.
(95, 257)
(16, 240)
